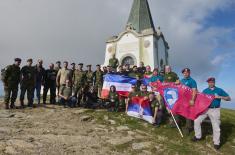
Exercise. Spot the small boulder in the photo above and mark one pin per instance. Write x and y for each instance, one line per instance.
(85, 118)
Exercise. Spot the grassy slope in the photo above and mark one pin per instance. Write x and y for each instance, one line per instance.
(168, 141)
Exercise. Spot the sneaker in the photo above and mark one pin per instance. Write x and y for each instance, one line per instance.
(195, 139)
(217, 147)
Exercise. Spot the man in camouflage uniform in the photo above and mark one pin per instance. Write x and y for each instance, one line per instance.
(144, 92)
(98, 80)
(133, 93)
(156, 107)
(11, 82)
(113, 62)
(28, 83)
(57, 68)
(78, 81)
(50, 83)
(134, 73)
(170, 76)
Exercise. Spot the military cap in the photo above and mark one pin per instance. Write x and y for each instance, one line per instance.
(98, 65)
(72, 63)
(80, 64)
(186, 70)
(88, 65)
(211, 79)
(30, 60)
(17, 59)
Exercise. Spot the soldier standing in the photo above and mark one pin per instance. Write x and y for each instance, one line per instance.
(50, 83)
(28, 83)
(78, 81)
(113, 62)
(98, 80)
(73, 68)
(57, 68)
(89, 76)
(134, 73)
(11, 82)
(142, 68)
(40, 71)
(63, 75)
(171, 76)
(191, 83)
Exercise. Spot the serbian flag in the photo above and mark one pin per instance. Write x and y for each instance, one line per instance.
(177, 98)
(122, 84)
(140, 108)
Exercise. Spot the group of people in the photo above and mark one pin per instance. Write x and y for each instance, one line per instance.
(75, 86)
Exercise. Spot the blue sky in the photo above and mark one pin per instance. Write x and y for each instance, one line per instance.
(226, 19)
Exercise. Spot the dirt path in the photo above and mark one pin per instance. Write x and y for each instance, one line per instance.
(54, 130)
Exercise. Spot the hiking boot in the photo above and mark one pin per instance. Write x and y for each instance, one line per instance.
(217, 147)
(195, 139)
(12, 106)
(6, 106)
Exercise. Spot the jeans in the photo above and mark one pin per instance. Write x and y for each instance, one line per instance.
(71, 102)
(38, 90)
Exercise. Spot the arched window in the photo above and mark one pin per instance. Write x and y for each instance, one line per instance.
(128, 60)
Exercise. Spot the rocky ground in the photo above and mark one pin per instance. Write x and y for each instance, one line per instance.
(55, 130)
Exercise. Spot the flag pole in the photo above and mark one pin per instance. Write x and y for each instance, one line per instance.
(176, 124)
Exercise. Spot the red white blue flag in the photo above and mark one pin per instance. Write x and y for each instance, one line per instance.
(139, 107)
(122, 83)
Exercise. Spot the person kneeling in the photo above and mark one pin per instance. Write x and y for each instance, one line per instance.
(113, 100)
(66, 97)
(156, 108)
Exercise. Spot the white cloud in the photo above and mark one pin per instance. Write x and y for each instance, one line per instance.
(76, 30)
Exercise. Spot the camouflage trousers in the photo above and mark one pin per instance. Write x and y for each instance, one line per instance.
(78, 93)
(98, 89)
(10, 94)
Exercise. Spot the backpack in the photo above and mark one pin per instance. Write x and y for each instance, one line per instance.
(3, 73)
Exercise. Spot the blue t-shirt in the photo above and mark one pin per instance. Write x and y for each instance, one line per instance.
(190, 82)
(156, 78)
(217, 92)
